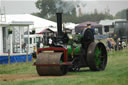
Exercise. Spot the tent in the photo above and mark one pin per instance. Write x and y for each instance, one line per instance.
(110, 22)
(81, 26)
(70, 25)
(38, 23)
(94, 24)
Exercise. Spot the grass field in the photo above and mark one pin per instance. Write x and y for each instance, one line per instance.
(116, 73)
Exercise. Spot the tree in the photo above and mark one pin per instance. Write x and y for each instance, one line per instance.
(48, 8)
(86, 17)
(121, 14)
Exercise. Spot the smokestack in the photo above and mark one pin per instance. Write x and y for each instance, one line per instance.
(127, 14)
(59, 23)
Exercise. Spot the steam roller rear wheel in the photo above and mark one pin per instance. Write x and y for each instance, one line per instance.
(97, 56)
(50, 58)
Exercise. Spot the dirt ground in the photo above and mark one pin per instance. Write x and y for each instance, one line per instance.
(27, 77)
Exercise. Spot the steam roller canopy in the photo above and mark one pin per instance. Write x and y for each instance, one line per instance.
(49, 58)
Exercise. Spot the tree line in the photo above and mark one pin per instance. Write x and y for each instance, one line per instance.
(48, 8)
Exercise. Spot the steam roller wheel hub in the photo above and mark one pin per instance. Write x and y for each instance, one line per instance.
(50, 58)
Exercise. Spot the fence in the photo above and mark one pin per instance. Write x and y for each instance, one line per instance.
(15, 58)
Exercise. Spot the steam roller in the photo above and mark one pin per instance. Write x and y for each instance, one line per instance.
(64, 51)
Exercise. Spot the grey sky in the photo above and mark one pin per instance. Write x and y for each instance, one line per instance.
(19, 6)
(114, 6)
(28, 6)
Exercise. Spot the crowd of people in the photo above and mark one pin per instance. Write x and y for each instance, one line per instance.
(117, 45)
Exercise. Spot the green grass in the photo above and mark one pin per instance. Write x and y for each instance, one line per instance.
(18, 68)
(116, 73)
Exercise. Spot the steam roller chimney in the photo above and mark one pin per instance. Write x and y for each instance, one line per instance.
(59, 24)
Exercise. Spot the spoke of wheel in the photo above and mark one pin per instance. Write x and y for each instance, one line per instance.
(97, 56)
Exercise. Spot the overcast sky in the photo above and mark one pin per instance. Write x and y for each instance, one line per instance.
(28, 6)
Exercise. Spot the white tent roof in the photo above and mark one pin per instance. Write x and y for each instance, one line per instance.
(106, 22)
(39, 23)
(3, 23)
(110, 22)
(70, 25)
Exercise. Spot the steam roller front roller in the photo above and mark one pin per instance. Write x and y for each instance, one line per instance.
(50, 62)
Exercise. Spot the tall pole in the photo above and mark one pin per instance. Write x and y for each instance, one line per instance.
(20, 40)
(28, 40)
(9, 56)
(10, 39)
(28, 46)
